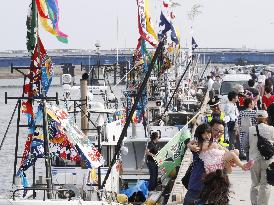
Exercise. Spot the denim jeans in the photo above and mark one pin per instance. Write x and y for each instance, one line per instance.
(153, 173)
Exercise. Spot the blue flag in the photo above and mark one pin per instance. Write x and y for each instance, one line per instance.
(194, 44)
(167, 25)
(173, 35)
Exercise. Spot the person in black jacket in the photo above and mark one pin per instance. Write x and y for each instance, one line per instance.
(270, 111)
(151, 151)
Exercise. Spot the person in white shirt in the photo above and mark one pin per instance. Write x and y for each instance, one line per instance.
(260, 189)
(209, 83)
(217, 85)
(262, 77)
(232, 112)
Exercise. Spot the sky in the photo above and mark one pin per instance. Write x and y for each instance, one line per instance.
(221, 24)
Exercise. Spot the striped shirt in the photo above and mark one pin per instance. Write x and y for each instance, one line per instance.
(247, 113)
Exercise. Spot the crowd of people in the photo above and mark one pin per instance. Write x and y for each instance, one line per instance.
(227, 137)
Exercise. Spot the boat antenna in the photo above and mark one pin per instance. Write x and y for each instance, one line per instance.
(117, 49)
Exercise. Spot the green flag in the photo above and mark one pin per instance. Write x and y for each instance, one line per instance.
(171, 155)
(31, 27)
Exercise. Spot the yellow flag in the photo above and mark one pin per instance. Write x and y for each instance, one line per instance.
(178, 34)
(148, 24)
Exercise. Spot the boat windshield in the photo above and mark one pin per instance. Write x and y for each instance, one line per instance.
(228, 86)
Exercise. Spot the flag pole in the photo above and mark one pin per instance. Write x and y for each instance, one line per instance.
(138, 97)
(45, 120)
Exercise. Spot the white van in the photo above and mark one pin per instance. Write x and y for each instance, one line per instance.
(229, 82)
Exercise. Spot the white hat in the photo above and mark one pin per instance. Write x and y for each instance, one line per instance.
(239, 88)
(261, 114)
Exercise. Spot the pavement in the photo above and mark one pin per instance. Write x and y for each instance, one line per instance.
(240, 185)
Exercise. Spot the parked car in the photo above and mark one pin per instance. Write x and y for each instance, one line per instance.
(229, 82)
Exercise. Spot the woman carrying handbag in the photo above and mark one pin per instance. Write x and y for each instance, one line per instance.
(261, 137)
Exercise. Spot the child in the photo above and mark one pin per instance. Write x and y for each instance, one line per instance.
(216, 189)
(214, 155)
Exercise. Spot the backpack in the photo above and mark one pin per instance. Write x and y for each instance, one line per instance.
(265, 148)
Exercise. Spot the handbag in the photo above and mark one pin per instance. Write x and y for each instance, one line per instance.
(185, 179)
(265, 148)
(270, 174)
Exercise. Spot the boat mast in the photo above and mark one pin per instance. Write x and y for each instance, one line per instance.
(117, 50)
(45, 121)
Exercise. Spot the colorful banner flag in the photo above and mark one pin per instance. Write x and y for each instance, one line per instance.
(36, 78)
(34, 149)
(171, 155)
(59, 144)
(145, 29)
(49, 17)
(76, 136)
(26, 149)
(41, 63)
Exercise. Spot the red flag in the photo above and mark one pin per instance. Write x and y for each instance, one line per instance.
(26, 88)
(38, 54)
(165, 4)
(27, 108)
(27, 148)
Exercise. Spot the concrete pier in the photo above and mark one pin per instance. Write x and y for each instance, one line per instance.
(240, 185)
